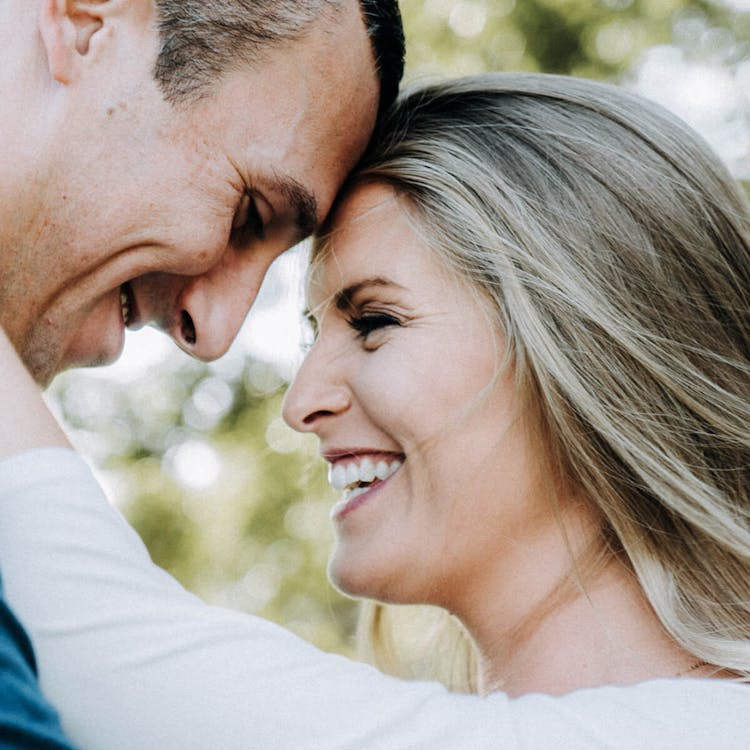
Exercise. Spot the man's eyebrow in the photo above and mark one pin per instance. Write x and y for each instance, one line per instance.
(303, 202)
(344, 298)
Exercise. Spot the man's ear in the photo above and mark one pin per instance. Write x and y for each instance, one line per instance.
(67, 28)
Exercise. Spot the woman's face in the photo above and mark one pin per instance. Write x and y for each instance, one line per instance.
(402, 388)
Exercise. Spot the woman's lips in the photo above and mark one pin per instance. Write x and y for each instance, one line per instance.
(364, 481)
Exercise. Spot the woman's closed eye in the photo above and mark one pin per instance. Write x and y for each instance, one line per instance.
(248, 223)
(368, 323)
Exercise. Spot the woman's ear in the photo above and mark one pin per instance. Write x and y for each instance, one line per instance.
(67, 28)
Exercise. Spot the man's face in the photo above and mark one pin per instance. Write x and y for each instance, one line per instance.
(151, 213)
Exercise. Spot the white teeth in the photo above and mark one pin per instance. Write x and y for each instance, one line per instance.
(125, 307)
(381, 470)
(337, 477)
(352, 474)
(367, 470)
(348, 476)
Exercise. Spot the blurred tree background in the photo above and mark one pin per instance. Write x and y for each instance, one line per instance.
(226, 497)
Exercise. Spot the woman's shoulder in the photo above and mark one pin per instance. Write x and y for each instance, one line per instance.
(667, 713)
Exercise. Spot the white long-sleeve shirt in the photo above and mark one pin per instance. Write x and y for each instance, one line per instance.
(134, 662)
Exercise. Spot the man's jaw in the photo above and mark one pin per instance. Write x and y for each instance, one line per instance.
(87, 337)
(46, 350)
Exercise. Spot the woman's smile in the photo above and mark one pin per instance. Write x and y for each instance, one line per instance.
(360, 477)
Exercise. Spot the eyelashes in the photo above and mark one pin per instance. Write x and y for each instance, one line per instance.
(364, 325)
(248, 223)
(368, 323)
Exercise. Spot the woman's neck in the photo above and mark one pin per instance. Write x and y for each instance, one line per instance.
(606, 634)
(544, 624)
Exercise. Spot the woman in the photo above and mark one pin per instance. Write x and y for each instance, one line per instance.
(593, 380)
(531, 380)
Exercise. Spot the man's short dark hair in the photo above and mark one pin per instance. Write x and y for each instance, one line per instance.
(202, 39)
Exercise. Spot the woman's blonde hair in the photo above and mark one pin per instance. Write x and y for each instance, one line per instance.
(616, 249)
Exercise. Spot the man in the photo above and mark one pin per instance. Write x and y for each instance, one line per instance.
(152, 176)
(157, 155)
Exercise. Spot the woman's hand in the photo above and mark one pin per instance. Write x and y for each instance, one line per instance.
(25, 420)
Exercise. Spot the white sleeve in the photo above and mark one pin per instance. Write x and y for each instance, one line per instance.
(134, 662)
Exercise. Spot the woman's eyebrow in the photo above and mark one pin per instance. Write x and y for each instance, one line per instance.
(344, 298)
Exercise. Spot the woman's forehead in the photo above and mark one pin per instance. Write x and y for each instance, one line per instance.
(360, 203)
(365, 227)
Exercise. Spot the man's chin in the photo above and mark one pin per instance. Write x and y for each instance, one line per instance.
(44, 363)
(98, 359)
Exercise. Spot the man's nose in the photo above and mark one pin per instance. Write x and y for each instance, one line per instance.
(317, 394)
(211, 307)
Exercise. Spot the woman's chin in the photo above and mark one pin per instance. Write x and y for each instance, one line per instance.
(342, 576)
(362, 578)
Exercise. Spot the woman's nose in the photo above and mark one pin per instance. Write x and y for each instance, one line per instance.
(316, 395)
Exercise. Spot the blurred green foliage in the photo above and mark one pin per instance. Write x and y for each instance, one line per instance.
(579, 37)
(228, 498)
